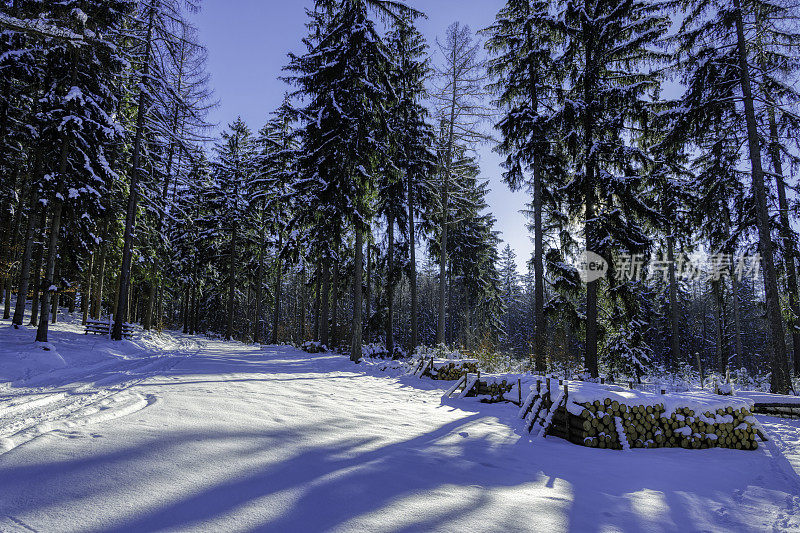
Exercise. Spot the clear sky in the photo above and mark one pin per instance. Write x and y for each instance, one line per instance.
(247, 43)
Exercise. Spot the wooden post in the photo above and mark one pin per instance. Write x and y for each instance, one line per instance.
(519, 390)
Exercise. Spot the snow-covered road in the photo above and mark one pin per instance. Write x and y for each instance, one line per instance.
(237, 438)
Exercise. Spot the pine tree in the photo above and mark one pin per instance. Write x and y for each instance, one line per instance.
(344, 78)
(232, 172)
(403, 195)
(520, 41)
(716, 41)
(601, 46)
(79, 104)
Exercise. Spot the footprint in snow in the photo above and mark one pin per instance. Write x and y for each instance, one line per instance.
(464, 434)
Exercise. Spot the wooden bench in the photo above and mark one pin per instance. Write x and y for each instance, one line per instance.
(105, 327)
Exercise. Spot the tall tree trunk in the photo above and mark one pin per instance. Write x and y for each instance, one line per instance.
(590, 350)
(133, 199)
(719, 311)
(440, 329)
(358, 267)
(788, 240)
(317, 300)
(780, 382)
(97, 301)
(326, 291)
(450, 330)
(25, 266)
(86, 290)
(302, 330)
(278, 285)
(675, 340)
(368, 295)
(231, 284)
(56, 296)
(539, 341)
(737, 331)
(412, 274)
(12, 244)
(390, 286)
(57, 203)
(440, 326)
(37, 271)
(150, 296)
(259, 322)
(334, 331)
(185, 308)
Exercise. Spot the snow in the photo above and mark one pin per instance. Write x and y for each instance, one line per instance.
(765, 397)
(168, 432)
(698, 401)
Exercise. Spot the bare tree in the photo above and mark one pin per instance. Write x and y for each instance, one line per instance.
(458, 95)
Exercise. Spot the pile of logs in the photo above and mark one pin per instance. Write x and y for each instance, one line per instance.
(313, 347)
(494, 389)
(451, 371)
(606, 423)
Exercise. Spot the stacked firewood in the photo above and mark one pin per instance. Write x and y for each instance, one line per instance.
(608, 424)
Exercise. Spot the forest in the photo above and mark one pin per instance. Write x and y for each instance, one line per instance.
(661, 136)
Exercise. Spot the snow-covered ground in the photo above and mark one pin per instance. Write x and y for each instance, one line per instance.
(174, 433)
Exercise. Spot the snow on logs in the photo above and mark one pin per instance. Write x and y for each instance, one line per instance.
(611, 417)
(450, 370)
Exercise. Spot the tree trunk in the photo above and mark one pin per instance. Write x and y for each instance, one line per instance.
(97, 302)
(368, 295)
(390, 286)
(358, 266)
(150, 295)
(675, 339)
(590, 351)
(55, 226)
(259, 323)
(133, 199)
(37, 271)
(317, 300)
(278, 286)
(334, 331)
(780, 382)
(303, 303)
(788, 241)
(25, 267)
(719, 311)
(86, 290)
(737, 331)
(9, 280)
(412, 250)
(231, 284)
(326, 291)
(56, 297)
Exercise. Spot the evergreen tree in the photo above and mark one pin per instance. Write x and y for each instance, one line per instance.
(403, 195)
(344, 78)
(604, 98)
(232, 173)
(521, 40)
(78, 109)
(718, 44)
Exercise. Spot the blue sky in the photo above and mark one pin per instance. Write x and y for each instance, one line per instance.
(248, 40)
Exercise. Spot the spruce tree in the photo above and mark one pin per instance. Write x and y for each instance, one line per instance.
(605, 55)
